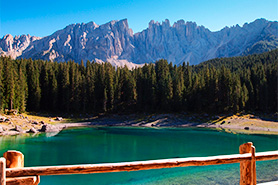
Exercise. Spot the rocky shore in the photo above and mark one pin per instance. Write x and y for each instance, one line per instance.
(14, 125)
(249, 124)
(19, 124)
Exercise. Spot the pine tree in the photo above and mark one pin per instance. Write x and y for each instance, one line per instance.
(1, 84)
(244, 97)
(152, 87)
(139, 88)
(9, 84)
(100, 91)
(178, 88)
(187, 70)
(109, 85)
(164, 84)
(90, 84)
(21, 87)
(63, 87)
(53, 88)
(128, 95)
(225, 90)
(236, 94)
(34, 90)
(44, 81)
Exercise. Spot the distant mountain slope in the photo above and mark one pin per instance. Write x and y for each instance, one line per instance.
(115, 42)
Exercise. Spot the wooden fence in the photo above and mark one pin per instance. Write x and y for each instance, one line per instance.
(12, 170)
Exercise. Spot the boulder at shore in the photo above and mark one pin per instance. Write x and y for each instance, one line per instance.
(18, 128)
(49, 128)
(1, 129)
(32, 130)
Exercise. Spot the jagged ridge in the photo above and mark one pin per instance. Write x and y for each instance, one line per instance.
(115, 42)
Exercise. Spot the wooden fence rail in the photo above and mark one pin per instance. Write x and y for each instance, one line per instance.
(247, 159)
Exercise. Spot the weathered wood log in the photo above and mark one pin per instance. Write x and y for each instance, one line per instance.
(245, 167)
(128, 166)
(263, 156)
(14, 159)
(2, 171)
(139, 165)
(23, 180)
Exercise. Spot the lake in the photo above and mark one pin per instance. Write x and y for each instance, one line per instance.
(115, 144)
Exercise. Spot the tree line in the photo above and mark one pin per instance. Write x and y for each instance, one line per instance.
(234, 84)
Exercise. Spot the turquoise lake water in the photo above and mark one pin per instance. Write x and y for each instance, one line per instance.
(113, 144)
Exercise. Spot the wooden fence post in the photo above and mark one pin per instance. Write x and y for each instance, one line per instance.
(248, 168)
(2, 171)
(14, 159)
(253, 166)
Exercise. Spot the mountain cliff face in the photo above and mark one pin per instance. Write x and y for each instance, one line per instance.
(115, 42)
(15, 46)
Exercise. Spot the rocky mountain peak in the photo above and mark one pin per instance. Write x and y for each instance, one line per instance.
(115, 42)
(8, 37)
(166, 23)
(153, 23)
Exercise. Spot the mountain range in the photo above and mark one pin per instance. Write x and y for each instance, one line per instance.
(116, 43)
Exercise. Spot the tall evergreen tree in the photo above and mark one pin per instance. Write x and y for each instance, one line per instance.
(109, 85)
(90, 84)
(44, 84)
(34, 90)
(63, 87)
(1, 84)
(9, 84)
(21, 92)
(164, 84)
(178, 88)
(53, 88)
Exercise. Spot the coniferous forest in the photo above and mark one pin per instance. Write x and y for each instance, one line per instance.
(234, 84)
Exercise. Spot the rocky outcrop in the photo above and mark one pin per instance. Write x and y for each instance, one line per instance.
(32, 130)
(15, 46)
(18, 128)
(109, 42)
(115, 42)
(50, 128)
(186, 41)
(20, 124)
(1, 129)
(35, 123)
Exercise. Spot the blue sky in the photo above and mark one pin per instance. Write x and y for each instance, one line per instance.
(42, 18)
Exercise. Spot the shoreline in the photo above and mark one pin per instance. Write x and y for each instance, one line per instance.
(246, 124)
(231, 124)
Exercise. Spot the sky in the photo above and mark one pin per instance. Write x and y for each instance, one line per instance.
(42, 18)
